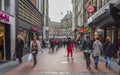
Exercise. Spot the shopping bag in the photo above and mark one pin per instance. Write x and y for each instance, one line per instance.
(30, 57)
(14, 57)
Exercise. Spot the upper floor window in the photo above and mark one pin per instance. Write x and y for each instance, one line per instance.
(7, 6)
(0, 4)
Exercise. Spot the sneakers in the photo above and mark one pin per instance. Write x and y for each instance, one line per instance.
(69, 59)
(72, 59)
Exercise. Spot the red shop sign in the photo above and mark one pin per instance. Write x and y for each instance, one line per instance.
(34, 28)
(4, 16)
(90, 9)
(82, 30)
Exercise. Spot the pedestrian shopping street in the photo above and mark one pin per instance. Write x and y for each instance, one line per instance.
(55, 63)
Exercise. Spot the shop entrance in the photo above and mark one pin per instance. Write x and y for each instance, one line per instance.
(2, 42)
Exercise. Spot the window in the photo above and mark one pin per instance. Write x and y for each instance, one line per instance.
(0, 4)
(7, 6)
(98, 4)
(95, 4)
(103, 2)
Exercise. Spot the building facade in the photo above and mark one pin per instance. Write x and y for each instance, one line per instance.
(29, 22)
(107, 18)
(54, 29)
(66, 25)
(7, 28)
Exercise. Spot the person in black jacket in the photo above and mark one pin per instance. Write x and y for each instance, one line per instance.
(108, 50)
(87, 47)
(19, 48)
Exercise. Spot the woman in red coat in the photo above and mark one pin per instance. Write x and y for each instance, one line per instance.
(69, 49)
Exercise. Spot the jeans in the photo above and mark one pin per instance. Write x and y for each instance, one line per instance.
(96, 59)
(87, 56)
(107, 61)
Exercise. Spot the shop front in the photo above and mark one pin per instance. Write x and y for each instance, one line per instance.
(5, 46)
(106, 19)
(27, 31)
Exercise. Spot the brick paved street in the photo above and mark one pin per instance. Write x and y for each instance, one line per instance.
(55, 63)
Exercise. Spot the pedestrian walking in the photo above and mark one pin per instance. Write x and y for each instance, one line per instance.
(69, 49)
(34, 47)
(87, 47)
(97, 49)
(108, 50)
(19, 48)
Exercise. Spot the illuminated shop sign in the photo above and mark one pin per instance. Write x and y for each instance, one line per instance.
(91, 9)
(34, 28)
(101, 12)
(85, 29)
(4, 17)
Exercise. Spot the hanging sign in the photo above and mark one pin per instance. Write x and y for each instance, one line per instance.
(90, 9)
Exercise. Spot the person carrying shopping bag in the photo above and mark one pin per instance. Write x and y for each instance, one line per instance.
(108, 50)
(34, 47)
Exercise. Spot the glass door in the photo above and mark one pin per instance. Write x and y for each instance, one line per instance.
(2, 40)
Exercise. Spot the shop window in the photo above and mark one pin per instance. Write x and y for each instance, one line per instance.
(110, 33)
(0, 4)
(119, 32)
(103, 2)
(7, 6)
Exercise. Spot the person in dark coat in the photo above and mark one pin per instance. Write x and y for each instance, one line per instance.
(19, 48)
(109, 50)
(87, 47)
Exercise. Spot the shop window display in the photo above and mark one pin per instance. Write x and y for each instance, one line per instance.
(24, 35)
(2, 42)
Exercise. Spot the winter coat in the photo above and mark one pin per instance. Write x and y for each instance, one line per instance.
(118, 44)
(87, 45)
(108, 49)
(97, 47)
(19, 48)
(69, 45)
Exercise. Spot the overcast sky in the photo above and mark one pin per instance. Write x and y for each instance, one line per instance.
(56, 7)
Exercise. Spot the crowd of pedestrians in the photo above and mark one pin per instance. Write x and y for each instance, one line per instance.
(90, 47)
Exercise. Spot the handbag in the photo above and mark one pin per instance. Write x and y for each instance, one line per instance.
(30, 57)
(14, 57)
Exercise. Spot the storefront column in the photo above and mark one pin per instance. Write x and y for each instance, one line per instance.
(105, 34)
(116, 36)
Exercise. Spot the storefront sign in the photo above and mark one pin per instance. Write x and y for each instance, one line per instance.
(85, 29)
(91, 9)
(4, 16)
(101, 12)
(47, 28)
(82, 30)
(34, 28)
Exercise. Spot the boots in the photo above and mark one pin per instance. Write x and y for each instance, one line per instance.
(34, 62)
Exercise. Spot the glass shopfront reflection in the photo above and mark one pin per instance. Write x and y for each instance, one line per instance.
(2, 42)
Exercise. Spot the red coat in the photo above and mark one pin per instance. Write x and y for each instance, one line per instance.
(70, 46)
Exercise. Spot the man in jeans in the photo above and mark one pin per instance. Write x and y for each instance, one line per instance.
(87, 47)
